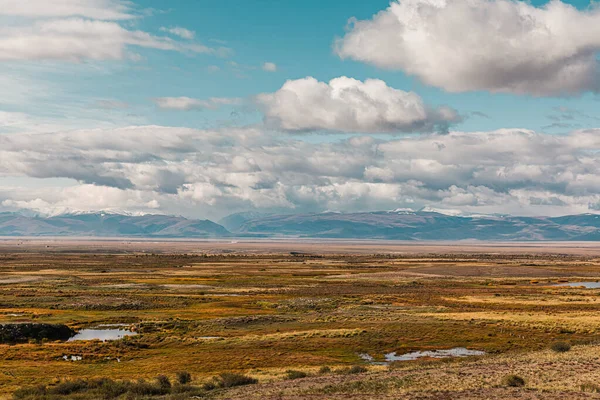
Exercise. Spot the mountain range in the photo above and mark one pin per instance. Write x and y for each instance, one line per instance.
(385, 225)
(108, 225)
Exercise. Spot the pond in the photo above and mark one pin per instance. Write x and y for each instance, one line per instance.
(456, 352)
(101, 334)
(587, 285)
(451, 353)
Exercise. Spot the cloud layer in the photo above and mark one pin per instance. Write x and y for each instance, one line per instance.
(188, 103)
(203, 173)
(349, 105)
(78, 30)
(493, 45)
(94, 9)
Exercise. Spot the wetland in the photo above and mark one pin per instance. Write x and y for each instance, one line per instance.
(399, 322)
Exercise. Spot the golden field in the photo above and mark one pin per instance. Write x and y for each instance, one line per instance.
(264, 308)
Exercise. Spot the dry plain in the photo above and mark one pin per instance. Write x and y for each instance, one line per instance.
(265, 308)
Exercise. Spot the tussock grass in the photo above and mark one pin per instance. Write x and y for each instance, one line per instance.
(561, 347)
(513, 381)
(294, 374)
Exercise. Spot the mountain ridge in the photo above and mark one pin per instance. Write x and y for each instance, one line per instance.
(424, 225)
(108, 224)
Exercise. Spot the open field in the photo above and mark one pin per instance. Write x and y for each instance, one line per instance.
(256, 309)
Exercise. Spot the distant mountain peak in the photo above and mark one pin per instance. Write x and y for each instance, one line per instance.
(443, 211)
(403, 211)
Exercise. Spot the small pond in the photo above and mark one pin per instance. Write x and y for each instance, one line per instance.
(587, 285)
(451, 353)
(101, 334)
(456, 352)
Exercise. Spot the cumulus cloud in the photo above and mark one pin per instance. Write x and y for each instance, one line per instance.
(188, 103)
(349, 105)
(78, 30)
(493, 45)
(210, 173)
(179, 31)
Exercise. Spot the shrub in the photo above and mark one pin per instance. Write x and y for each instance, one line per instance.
(102, 388)
(23, 333)
(30, 392)
(184, 377)
(292, 374)
(589, 387)
(228, 379)
(357, 369)
(68, 387)
(142, 388)
(209, 386)
(324, 370)
(513, 381)
(188, 390)
(112, 389)
(561, 347)
(163, 381)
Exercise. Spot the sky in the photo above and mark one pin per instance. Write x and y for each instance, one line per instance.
(209, 107)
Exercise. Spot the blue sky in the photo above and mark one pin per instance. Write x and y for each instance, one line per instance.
(114, 65)
(292, 35)
(298, 37)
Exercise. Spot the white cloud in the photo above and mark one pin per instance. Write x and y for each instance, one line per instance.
(269, 67)
(22, 122)
(188, 104)
(95, 9)
(494, 45)
(51, 201)
(78, 39)
(210, 173)
(79, 30)
(179, 31)
(348, 105)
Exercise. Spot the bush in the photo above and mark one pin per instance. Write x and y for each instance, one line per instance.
(102, 388)
(324, 370)
(228, 379)
(163, 381)
(589, 387)
(30, 392)
(143, 388)
(68, 387)
(112, 389)
(357, 369)
(292, 374)
(561, 347)
(513, 381)
(209, 386)
(23, 333)
(184, 377)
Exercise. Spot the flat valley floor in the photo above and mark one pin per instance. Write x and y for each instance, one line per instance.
(311, 310)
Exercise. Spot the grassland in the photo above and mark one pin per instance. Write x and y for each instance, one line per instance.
(207, 310)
